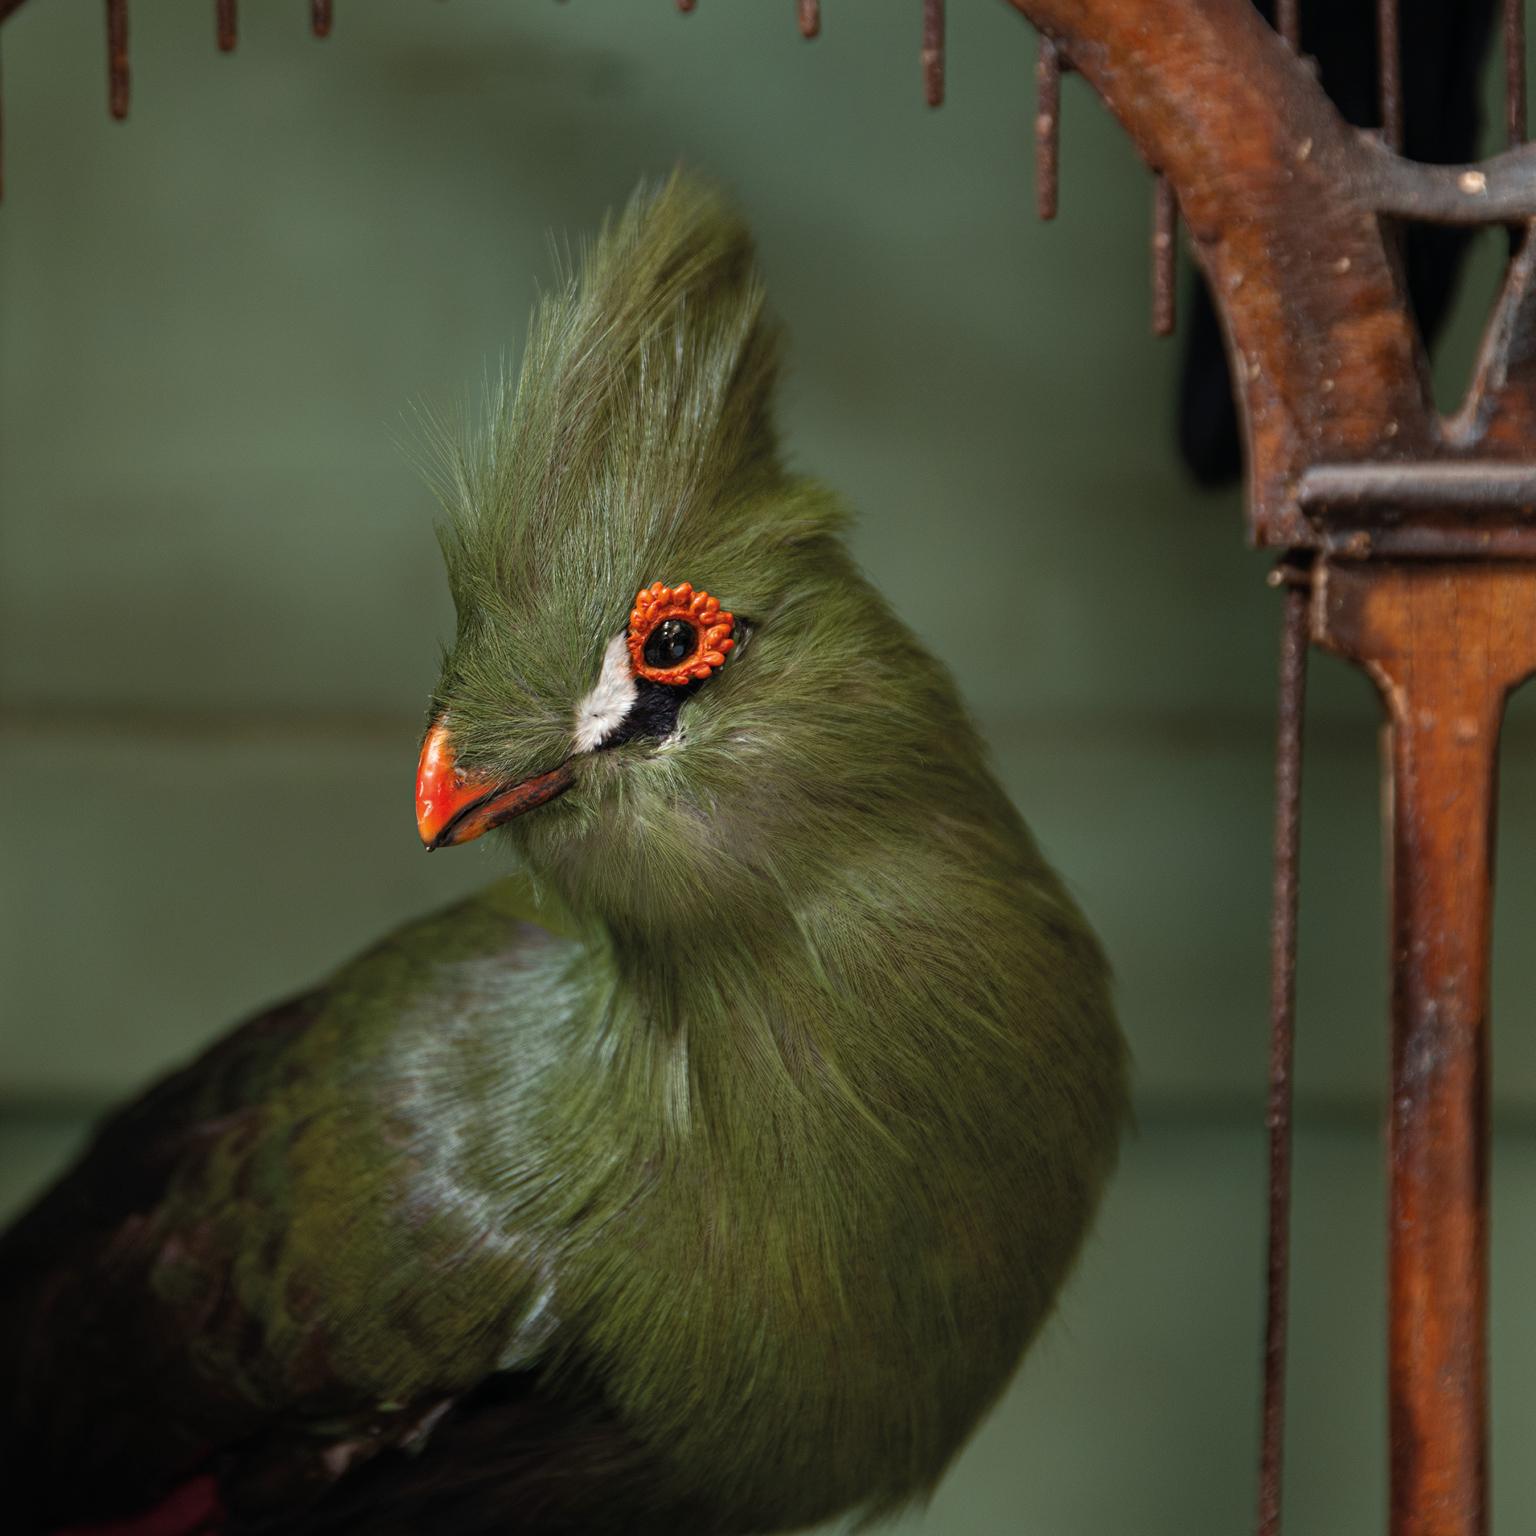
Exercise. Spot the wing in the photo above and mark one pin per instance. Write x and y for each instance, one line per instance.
(103, 1405)
(263, 1265)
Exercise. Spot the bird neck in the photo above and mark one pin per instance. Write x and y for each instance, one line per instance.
(792, 1018)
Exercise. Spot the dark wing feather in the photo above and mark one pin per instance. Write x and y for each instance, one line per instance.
(104, 1418)
(129, 1362)
(512, 1458)
(101, 1410)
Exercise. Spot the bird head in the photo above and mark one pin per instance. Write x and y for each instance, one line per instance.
(669, 683)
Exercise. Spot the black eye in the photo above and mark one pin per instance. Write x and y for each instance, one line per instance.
(672, 641)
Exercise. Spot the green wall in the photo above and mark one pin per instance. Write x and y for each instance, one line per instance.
(220, 607)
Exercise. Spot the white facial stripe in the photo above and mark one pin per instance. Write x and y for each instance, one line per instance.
(603, 710)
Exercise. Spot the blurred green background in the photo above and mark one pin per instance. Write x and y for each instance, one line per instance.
(221, 606)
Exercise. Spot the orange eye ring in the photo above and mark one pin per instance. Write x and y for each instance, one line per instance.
(659, 653)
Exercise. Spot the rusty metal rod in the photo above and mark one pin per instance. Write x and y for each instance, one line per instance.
(1047, 127)
(1467, 485)
(810, 18)
(1514, 70)
(117, 58)
(1290, 721)
(1429, 541)
(933, 52)
(1288, 23)
(685, 6)
(1443, 764)
(228, 25)
(1445, 642)
(320, 17)
(1499, 190)
(1165, 256)
(1389, 60)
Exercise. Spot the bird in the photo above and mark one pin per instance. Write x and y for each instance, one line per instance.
(708, 1172)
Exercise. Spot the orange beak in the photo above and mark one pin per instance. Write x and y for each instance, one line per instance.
(453, 808)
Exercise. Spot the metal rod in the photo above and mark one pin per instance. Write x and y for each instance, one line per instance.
(320, 17)
(810, 18)
(933, 52)
(685, 6)
(1499, 190)
(1047, 127)
(1165, 255)
(117, 58)
(1413, 486)
(228, 25)
(1288, 23)
(1389, 57)
(1514, 70)
(1445, 642)
(1291, 717)
(1443, 765)
(1427, 541)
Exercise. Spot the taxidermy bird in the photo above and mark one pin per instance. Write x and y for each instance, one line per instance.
(711, 1173)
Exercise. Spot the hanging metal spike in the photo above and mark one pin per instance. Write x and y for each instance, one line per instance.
(933, 52)
(228, 25)
(1165, 252)
(810, 18)
(1514, 71)
(1288, 23)
(117, 58)
(1390, 72)
(1047, 127)
(320, 17)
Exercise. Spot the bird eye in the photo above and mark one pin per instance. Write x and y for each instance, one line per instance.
(672, 641)
(677, 635)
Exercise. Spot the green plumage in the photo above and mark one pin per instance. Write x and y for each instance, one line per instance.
(772, 1097)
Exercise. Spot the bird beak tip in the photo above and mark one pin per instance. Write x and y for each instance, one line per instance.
(452, 808)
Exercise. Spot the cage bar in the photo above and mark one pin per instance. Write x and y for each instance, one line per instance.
(1295, 637)
(933, 52)
(1389, 50)
(1165, 251)
(1288, 23)
(1047, 127)
(117, 58)
(1514, 71)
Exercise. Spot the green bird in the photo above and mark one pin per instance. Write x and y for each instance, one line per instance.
(711, 1173)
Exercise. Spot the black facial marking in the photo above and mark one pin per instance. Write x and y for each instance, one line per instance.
(671, 642)
(654, 712)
